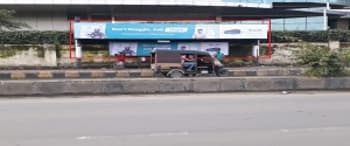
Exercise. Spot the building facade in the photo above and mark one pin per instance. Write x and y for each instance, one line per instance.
(307, 23)
(306, 15)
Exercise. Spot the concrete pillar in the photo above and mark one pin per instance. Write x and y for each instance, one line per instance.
(325, 19)
(334, 45)
(50, 56)
(78, 53)
(255, 51)
(325, 16)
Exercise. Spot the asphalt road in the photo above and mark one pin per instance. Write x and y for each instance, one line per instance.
(228, 119)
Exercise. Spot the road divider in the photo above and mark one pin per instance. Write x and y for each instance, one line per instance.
(166, 85)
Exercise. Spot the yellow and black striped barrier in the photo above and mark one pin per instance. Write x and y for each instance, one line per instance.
(76, 74)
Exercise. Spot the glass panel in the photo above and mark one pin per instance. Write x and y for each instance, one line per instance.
(333, 1)
(302, 24)
(277, 21)
(315, 23)
(339, 1)
(295, 26)
(315, 1)
(295, 20)
(315, 19)
(254, 1)
(268, 1)
(314, 26)
(277, 27)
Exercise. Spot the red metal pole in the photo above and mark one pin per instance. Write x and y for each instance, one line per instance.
(270, 39)
(70, 39)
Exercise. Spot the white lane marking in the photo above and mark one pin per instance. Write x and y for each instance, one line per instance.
(151, 134)
(83, 138)
(170, 134)
(284, 130)
(93, 137)
(310, 129)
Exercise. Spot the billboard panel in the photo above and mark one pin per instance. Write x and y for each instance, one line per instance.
(90, 30)
(145, 48)
(251, 31)
(185, 31)
(126, 48)
(211, 47)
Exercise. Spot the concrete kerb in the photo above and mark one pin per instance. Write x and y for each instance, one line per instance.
(310, 83)
(269, 83)
(165, 85)
(337, 83)
(175, 85)
(15, 87)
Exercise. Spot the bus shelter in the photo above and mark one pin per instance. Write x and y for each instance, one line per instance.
(138, 39)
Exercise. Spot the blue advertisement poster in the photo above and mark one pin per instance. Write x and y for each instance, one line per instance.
(85, 30)
(149, 31)
(145, 49)
(137, 49)
(171, 31)
(143, 31)
(126, 48)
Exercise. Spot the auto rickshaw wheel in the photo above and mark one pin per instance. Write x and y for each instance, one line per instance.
(222, 72)
(175, 74)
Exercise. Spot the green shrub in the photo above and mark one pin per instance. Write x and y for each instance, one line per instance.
(310, 36)
(344, 54)
(62, 37)
(34, 37)
(323, 62)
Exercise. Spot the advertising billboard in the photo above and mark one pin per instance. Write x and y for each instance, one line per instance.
(210, 47)
(125, 48)
(144, 48)
(183, 31)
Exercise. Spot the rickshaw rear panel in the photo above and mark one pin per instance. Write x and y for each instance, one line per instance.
(170, 61)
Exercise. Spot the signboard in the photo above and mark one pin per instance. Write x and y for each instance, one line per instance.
(144, 49)
(90, 30)
(188, 31)
(249, 31)
(188, 46)
(210, 47)
(126, 48)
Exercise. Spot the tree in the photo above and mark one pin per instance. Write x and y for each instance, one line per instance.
(6, 20)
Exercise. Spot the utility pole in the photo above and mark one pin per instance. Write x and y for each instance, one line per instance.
(325, 17)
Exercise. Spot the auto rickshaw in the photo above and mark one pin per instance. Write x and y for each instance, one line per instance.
(170, 63)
